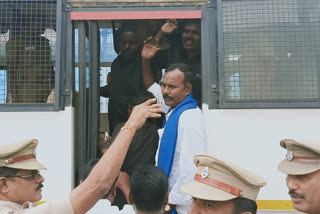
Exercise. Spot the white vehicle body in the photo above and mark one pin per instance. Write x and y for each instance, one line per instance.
(249, 137)
(55, 132)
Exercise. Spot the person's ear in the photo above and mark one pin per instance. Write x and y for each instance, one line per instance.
(189, 88)
(4, 188)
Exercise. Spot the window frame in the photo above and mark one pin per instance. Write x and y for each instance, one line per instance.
(58, 104)
(108, 13)
(221, 103)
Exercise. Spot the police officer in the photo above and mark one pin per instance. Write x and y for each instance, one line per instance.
(21, 183)
(302, 166)
(221, 187)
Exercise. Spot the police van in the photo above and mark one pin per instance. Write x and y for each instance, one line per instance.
(260, 79)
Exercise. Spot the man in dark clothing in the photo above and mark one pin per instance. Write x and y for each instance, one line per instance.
(143, 146)
(189, 52)
(126, 77)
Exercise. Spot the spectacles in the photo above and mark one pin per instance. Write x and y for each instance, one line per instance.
(31, 176)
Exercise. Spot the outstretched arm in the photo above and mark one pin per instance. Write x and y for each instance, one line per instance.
(149, 50)
(102, 176)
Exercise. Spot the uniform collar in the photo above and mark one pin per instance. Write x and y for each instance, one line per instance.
(14, 206)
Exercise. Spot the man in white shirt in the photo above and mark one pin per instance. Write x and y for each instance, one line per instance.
(183, 135)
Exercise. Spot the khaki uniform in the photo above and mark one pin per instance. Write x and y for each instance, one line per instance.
(62, 206)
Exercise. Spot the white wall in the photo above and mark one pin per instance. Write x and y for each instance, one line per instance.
(251, 139)
(54, 130)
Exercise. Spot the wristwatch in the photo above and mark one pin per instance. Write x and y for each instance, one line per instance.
(167, 208)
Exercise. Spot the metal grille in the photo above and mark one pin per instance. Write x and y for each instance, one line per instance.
(107, 55)
(27, 51)
(271, 51)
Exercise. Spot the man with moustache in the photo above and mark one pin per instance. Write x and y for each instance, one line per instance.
(183, 134)
(302, 166)
(21, 182)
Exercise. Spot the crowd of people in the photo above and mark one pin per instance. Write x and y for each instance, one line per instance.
(157, 162)
(218, 186)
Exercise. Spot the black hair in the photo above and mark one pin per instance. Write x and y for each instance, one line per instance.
(5, 171)
(192, 22)
(141, 98)
(148, 188)
(244, 205)
(185, 69)
(128, 26)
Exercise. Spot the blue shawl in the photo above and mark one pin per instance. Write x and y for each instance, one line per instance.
(169, 137)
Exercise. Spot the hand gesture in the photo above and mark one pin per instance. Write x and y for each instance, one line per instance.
(150, 48)
(170, 26)
(142, 112)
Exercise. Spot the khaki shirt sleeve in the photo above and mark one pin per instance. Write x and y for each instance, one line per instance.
(62, 206)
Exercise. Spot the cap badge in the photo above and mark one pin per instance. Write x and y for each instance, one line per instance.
(289, 155)
(5, 162)
(204, 172)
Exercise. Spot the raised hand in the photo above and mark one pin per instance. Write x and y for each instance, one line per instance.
(142, 112)
(150, 48)
(170, 26)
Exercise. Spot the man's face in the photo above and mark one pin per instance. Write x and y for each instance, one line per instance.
(305, 192)
(129, 44)
(22, 190)
(174, 90)
(200, 206)
(191, 37)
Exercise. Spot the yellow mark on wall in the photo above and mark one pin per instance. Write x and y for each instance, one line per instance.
(275, 205)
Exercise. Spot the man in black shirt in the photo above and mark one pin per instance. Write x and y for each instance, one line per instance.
(189, 52)
(125, 77)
